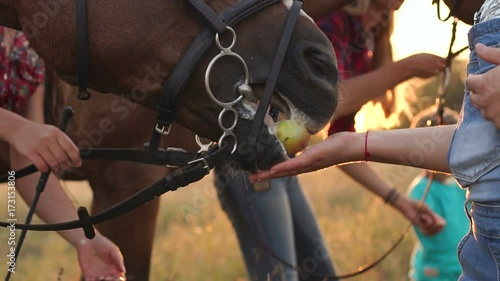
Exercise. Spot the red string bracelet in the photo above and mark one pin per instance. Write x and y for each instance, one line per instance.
(367, 154)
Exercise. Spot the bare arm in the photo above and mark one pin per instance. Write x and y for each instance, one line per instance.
(425, 148)
(97, 257)
(44, 145)
(368, 178)
(356, 91)
(428, 221)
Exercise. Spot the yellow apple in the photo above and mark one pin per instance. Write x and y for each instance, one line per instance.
(293, 135)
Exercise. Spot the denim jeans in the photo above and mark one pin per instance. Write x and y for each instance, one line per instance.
(278, 220)
(474, 155)
(479, 251)
(474, 159)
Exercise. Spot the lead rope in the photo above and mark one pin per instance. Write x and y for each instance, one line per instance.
(453, 9)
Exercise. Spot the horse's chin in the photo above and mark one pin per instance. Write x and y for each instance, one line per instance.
(268, 150)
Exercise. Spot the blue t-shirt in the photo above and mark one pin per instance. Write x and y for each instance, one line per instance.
(435, 257)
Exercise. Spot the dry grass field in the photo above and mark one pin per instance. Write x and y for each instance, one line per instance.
(195, 241)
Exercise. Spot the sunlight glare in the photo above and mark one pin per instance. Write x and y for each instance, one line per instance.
(417, 30)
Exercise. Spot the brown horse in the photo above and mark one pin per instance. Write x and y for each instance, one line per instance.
(134, 46)
(112, 121)
(133, 49)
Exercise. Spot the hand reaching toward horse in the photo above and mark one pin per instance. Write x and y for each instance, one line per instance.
(396, 146)
(485, 88)
(100, 259)
(424, 65)
(44, 145)
(332, 151)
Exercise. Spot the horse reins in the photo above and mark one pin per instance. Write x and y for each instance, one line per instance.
(191, 166)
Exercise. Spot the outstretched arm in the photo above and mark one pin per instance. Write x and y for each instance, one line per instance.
(421, 216)
(425, 148)
(356, 91)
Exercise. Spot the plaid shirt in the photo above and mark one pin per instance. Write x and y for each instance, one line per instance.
(352, 53)
(21, 72)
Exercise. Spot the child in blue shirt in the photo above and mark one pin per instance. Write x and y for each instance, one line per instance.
(434, 258)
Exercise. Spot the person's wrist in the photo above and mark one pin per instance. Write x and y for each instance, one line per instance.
(353, 144)
(404, 68)
(12, 129)
(76, 238)
(392, 197)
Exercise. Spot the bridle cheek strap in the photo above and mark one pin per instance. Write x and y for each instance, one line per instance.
(185, 68)
(279, 57)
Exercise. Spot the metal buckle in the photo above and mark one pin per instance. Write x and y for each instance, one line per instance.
(205, 163)
(162, 129)
(175, 149)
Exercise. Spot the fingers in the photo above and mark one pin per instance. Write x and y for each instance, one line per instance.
(429, 222)
(427, 65)
(117, 260)
(290, 167)
(50, 159)
(488, 54)
(60, 152)
(39, 163)
(477, 101)
(71, 151)
(440, 65)
(475, 83)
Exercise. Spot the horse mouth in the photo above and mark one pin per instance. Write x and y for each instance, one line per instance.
(279, 109)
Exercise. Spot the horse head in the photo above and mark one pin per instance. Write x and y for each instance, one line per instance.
(135, 45)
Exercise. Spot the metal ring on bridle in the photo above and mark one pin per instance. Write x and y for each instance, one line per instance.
(217, 40)
(209, 70)
(227, 106)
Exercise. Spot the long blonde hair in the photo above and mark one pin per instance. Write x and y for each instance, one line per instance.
(379, 24)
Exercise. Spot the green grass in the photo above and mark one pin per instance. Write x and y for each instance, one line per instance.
(357, 228)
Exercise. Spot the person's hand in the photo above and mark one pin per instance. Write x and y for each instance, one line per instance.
(485, 88)
(46, 146)
(425, 219)
(100, 259)
(329, 152)
(424, 65)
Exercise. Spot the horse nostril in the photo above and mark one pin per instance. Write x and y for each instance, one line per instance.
(315, 61)
(319, 63)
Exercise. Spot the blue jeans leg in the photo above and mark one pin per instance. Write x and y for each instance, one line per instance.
(279, 220)
(478, 252)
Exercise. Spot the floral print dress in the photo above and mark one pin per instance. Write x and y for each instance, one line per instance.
(21, 72)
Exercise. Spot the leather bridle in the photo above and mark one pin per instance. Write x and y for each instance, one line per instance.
(192, 166)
